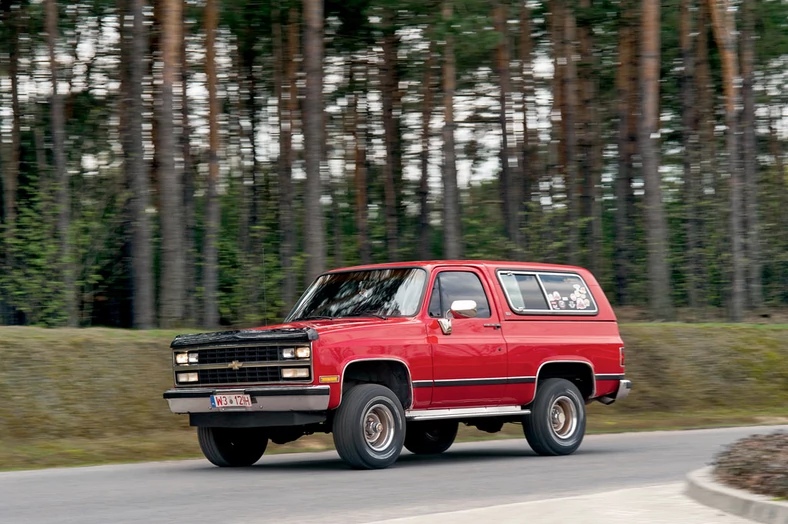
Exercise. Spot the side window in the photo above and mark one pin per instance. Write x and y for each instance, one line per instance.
(524, 292)
(458, 285)
(567, 293)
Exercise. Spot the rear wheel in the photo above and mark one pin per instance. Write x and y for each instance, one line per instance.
(430, 437)
(557, 422)
(232, 447)
(369, 427)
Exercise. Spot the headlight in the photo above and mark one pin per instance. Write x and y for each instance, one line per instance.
(304, 352)
(295, 373)
(187, 358)
(288, 353)
(187, 377)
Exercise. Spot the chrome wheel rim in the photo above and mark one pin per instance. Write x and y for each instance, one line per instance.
(379, 427)
(563, 417)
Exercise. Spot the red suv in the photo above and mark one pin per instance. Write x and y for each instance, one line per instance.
(391, 355)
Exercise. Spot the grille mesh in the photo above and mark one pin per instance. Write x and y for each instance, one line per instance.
(240, 354)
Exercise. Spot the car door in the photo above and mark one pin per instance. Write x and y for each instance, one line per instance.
(469, 363)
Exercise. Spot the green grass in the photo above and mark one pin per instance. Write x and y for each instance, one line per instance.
(92, 396)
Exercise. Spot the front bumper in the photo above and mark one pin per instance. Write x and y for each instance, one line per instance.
(275, 398)
(622, 392)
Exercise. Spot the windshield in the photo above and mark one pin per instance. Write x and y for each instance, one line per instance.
(385, 292)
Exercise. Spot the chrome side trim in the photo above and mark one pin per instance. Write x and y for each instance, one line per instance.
(491, 411)
(543, 364)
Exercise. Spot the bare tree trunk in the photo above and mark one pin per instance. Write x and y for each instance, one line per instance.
(210, 279)
(724, 29)
(452, 231)
(388, 86)
(569, 118)
(590, 147)
(171, 192)
(425, 231)
(315, 234)
(137, 174)
(360, 141)
(656, 228)
(287, 123)
(11, 172)
(707, 150)
(189, 221)
(689, 139)
(749, 155)
(510, 187)
(528, 157)
(61, 173)
(623, 185)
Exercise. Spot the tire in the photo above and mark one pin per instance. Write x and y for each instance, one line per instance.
(430, 437)
(232, 447)
(369, 427)
(557, 423)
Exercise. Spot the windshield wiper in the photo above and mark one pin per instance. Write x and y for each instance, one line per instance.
(315, 317)
(364, 313)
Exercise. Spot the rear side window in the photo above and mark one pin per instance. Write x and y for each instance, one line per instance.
(547, 293)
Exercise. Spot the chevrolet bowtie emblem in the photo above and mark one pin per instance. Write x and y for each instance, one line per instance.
(235, 365)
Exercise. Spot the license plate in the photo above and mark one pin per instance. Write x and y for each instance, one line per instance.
(231, 401)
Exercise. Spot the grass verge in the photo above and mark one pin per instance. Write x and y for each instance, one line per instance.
(89, 396)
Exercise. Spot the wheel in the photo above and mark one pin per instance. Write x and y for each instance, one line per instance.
(430, 437)
(232, 447)
(557, 422)
(369, 427)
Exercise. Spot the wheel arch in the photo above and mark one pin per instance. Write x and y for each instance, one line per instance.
(391, 372)
(579, 372)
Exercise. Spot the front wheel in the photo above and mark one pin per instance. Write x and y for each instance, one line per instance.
(232, 447)
(557, 422)
(430, 437)
(369, 427)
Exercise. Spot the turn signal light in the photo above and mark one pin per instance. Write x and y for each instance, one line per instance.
(295, 373)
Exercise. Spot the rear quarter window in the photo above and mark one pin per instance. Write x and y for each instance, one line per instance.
(549, 293)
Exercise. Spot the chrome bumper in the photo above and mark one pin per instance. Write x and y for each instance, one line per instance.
(281, 398)
(624, 387)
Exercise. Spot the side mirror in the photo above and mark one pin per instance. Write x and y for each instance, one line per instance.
(463, 309)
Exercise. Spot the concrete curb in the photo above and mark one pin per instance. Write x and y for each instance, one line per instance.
(702, 487)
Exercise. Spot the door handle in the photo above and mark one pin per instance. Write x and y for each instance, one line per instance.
(496, 326)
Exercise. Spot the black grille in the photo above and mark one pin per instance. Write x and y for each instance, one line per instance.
(240, 376)
(239, 354)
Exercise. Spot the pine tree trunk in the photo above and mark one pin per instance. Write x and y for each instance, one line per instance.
(688, 138)
(61, 173)
(623, 184)
(190, 312)
(11, 171)
(143, 303)
(314, 236)
(388, 86)
(723, 26)
(656, 228)
(528, 157)
(452, 235)
(569, 119)
(510, 187)
(360, 182)
(171, 192)
(425, 231)
(210, 279)
(749, 155)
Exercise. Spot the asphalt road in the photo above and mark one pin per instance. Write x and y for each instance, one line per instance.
(318, 486)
